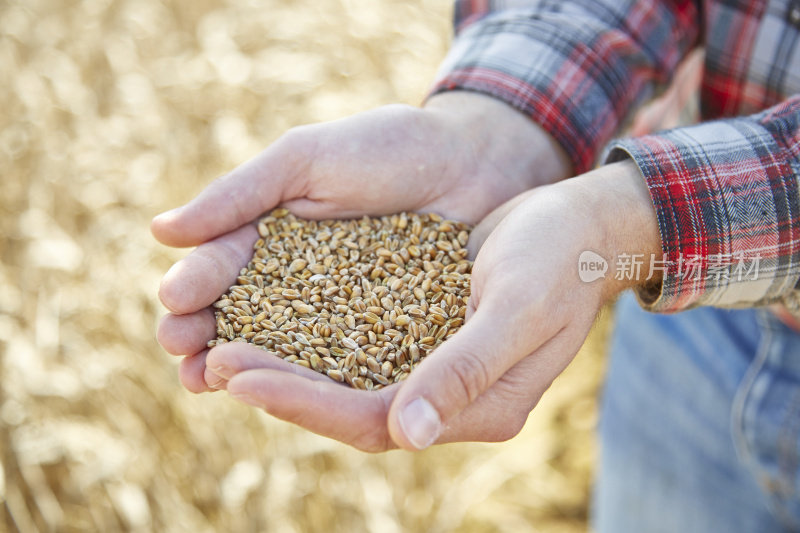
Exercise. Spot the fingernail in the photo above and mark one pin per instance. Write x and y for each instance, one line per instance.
(245, 398)
(222, 371)
(216, 384)
(421, 423)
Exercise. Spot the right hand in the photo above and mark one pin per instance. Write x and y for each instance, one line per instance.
(461, 156)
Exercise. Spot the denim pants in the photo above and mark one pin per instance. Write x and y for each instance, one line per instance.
(700, 424)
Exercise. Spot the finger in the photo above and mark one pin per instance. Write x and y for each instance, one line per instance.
(191, 373)
(238, 197)
(229, 359)
(460, 371)
(198, 279)
(355, 417)
(186, 334)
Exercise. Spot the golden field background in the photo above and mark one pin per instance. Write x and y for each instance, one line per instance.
(115, 110)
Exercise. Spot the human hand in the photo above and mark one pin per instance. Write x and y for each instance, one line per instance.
(528, 315)
(446, 158)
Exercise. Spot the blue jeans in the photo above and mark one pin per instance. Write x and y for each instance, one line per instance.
(700, 424)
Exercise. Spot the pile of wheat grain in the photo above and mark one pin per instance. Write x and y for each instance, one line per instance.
(362, 301)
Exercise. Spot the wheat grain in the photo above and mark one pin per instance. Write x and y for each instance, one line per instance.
(361, 301)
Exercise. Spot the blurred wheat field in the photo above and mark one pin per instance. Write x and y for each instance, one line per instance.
(115, 110)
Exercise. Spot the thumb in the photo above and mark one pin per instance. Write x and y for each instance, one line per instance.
(238, 197)
(455, 375)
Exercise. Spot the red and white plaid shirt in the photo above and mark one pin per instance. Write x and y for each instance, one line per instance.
(726, 190)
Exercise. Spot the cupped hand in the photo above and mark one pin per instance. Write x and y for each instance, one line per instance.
(528, 315)
(446, 158)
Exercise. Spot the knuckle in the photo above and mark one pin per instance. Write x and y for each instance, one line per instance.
(230, 196)
(471, 374)
(212, 254)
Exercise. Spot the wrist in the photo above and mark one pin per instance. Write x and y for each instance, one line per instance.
(626, 224)
(516, 146)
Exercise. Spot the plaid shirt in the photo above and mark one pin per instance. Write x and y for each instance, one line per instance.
(725, 191)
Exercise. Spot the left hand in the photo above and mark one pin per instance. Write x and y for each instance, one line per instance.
(445, 158)
(528, 315)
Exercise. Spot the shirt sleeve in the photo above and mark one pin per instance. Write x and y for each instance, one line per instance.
(576, 67)
(728, 206)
